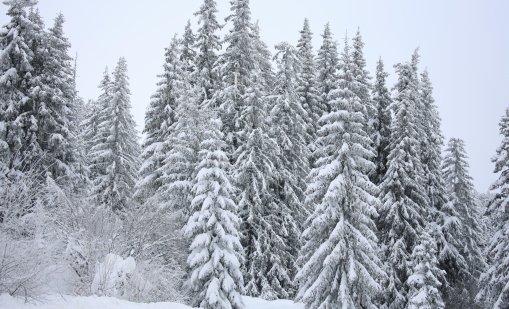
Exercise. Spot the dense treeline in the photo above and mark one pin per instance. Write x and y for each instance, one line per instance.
(295, 175)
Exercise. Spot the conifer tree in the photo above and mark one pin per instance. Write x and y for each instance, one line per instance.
(307, 90)
(327, 66)
(57, 110)
(341, 268)
(159, 119)
(216, 252)
(362, 82)
(208, 45)
(404, 210)
(18, 128)
(424, 280)
(467, 238)
(494, 282)
(236, 67)
(187, 53)
(382, 123)
(118, 152)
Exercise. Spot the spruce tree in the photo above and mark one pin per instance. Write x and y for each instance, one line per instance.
(327, 66)
(341, 268)
(216, 252)
(424, 280)
(187, 53)
(307, 90)
(159, 120)
(18, 128)
(117, 153)
(404, 210)
(382, 123)
(461, 198)
(208, 45)
(494, 282)
(237, 64)
(57, 108)
(362, 82)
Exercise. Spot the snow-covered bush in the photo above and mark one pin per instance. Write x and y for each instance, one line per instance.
(27, 246)
(112, 276)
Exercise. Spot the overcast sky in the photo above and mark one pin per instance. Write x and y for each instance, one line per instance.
(464, 45)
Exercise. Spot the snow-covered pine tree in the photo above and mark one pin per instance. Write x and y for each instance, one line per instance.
(57, 99)
(187, 52)
(362, 82)
(307, 90)
(327, 66)
(236, 66)
(18, 127)
(216, 253)
(289, 132)
(341, 268)
(462, 199)
(208, 45)
(262, 58)
(255, 175)
(117, 152)
(382, 123)
(494, 282)
(159, 120)
(424, 280)
(404, 210)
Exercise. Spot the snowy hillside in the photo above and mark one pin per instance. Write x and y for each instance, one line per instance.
(94, 302)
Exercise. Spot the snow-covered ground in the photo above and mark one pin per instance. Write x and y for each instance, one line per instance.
(95, 302)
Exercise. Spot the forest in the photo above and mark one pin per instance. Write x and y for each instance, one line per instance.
(289, 175)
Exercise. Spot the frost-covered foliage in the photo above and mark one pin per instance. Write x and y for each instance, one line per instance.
(216, 253)
(341, 268)
(466, 223)
(425, 276)
(494, 282)
(327, 65)
(116, 151)
(404, 211)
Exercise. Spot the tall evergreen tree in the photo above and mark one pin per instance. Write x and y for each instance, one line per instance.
(216, 252)
(494, 282)
(404, 210)
(236, 67)
(341, 267)
(18, 127)
(382, 123)
(362, 82)
(424, 280)
(462, 199)
(187, 53)
(57, 99)
(208, 45)
(327, 65)
(159, 119)
(118, 153)
(307, 90)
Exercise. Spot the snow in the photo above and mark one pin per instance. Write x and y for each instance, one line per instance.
(96, 302)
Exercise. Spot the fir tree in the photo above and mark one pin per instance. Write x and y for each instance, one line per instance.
(18, 127)
(327, 65)
(117, 153)
(159, 119)
(404, 210)
(494, 282)
(468, 237)
(187, 53)
(208, 45)
(424, 280)
(341, 267)
(215, 279)
(362, 82)
(307, 90)
(382, 123)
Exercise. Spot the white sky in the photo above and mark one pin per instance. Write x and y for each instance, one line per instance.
(464, 45)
